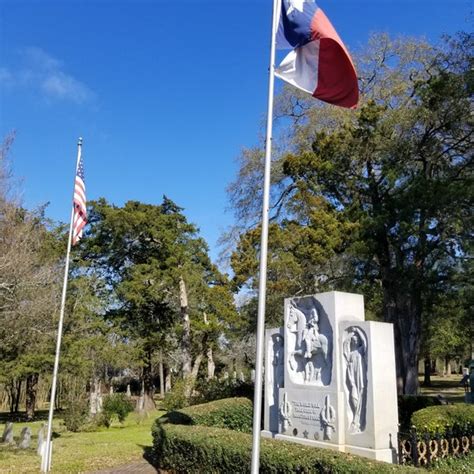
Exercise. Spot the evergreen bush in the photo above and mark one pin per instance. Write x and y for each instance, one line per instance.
(409, 404)
(215, 389)
(232, 413)
(115, 405)
(76, 414)
(202, 449)
(438, 418)
(176, 398)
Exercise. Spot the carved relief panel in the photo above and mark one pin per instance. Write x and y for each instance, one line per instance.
(354, 348)
(309, 339)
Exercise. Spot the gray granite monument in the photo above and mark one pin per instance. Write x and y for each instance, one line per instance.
(25, 438)
(330, 377)
(7, 436)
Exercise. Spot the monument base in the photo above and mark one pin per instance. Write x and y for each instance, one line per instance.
(267, 434)
(385, 455)
(310, 442)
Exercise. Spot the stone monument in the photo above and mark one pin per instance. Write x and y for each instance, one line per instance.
(7, 436)
(25, 438)
(330, 377)
(42, 433)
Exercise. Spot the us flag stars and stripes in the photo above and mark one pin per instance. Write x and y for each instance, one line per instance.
(80, 211)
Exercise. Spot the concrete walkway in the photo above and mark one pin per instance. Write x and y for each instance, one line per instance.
(138, 467)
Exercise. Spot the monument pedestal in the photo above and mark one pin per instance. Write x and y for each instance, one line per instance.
(330, 378)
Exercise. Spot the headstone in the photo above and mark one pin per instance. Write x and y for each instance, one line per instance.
(41, 440)
(242, 377)
(111, 390)
(234, 375)
(168, 382)
(95, 398)
(141, 401)
(129, 393)
(25, 438)
(7, 436)
(330, 377)
(252, 375)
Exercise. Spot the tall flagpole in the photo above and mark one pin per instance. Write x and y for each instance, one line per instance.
(262, 287)
(46, 455)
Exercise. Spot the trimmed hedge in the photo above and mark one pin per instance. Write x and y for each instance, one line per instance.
(202, 449)
(432, 418)
(231, 413)
(409, 404)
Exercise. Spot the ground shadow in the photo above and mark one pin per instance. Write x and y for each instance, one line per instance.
(148, 455)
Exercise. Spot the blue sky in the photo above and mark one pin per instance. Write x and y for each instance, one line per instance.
(165, 93)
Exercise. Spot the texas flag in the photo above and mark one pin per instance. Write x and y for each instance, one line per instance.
(319, 62)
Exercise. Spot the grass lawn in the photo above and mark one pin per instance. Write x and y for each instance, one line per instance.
(83, 452)
(447, 386)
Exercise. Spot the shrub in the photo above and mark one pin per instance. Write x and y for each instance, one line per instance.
(76, 414)
(198, 449)
(214, 389)
(232, 413)
(438, 417)
(409, 404)
(176, 398)
(115, 405)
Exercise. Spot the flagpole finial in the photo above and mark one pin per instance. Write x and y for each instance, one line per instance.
(79, 141)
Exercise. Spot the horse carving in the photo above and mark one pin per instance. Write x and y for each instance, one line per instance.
(309, 342)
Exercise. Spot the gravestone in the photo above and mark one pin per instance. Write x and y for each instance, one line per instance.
(25, 438)
(129, 392)
(330, 377)
(7, 436)
(95, 398)
(242, 377)
(41, 440)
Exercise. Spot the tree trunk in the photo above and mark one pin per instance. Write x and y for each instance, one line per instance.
(211, 366)
(186, 339)
(191, 378)
(403, 309)
(427, 372)
(148, 386)
(168, 382)
(17, 395)
(31, 390)
(162, 379)
(447, 362)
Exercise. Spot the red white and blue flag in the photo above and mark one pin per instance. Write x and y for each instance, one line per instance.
(319, 63)
(79, 203)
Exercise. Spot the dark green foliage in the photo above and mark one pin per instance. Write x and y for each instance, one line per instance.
(176, 398)
(215, 389)
(116, 405)
(438, 418)
(75, 415)
(200, 449)
(450, 465)
(409, 404)
(231, 413)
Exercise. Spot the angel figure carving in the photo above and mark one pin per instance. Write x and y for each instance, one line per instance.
(309, 343)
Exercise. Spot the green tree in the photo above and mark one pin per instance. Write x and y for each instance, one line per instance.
(160, 276)
(379, 198)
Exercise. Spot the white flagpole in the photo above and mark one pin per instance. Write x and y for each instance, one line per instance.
(262, 287)
(47, 452)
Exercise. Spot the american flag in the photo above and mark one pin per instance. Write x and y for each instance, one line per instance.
(80, 211)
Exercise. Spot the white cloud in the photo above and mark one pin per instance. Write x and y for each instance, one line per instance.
(45, 74)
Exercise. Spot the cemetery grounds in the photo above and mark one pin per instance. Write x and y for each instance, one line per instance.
(103, 448)
(83, 451)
